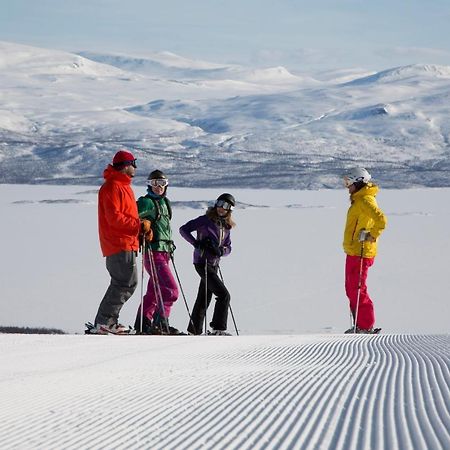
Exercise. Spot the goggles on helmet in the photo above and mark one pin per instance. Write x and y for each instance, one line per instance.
(161, 182)
(225, 205)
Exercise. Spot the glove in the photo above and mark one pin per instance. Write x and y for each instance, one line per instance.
(146, 226)
(146, 230)
(212, 248)
(215, 250)
(149, 236)
(365, 235)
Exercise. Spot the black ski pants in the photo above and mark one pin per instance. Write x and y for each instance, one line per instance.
(210, 284)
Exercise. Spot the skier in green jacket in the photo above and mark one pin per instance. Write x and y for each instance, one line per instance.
(162, 289)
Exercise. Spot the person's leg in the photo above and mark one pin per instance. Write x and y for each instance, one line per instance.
(167, 283)
(366, 316)
(198, 312)
(220, 316)
(123, 271)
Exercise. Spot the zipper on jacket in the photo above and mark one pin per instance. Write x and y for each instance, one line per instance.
(354, 229)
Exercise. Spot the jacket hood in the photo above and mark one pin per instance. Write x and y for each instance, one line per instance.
(112, 174)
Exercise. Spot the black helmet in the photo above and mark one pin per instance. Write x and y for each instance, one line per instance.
(228, 198)
(156, 175)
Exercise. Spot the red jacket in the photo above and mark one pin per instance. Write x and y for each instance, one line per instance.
(118, 219)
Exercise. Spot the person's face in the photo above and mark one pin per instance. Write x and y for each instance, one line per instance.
(130, 170)
(158, 190)
(221, 212)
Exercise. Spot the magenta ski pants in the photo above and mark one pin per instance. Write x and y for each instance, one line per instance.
(166, 283)
(366, 315)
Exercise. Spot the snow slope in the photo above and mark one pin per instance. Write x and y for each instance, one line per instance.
(262, 392)
(62, 116)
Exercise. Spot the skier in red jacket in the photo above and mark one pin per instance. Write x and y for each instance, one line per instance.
(119, 228)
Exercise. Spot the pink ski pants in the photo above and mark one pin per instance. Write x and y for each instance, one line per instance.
(167, 286)
(366, 315)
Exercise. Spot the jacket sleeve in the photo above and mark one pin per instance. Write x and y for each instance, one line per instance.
(146, 208)
(226, 245)
(371, 209)
(187, 229)
(116, 218)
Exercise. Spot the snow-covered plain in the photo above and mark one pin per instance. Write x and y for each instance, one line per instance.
(285, 273)
(62, 115)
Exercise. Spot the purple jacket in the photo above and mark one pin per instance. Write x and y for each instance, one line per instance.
(206, 228)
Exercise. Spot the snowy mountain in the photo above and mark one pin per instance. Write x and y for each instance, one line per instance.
(62, 117)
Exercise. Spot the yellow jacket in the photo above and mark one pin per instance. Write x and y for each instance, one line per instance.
(363, 213)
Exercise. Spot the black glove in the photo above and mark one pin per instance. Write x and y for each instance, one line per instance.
(213, 248)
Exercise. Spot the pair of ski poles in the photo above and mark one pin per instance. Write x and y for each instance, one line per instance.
(157, 288)
(156, 285)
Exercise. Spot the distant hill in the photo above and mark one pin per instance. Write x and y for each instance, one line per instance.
(63, 116)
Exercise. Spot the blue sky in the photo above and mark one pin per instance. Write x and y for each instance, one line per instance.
(301, 35)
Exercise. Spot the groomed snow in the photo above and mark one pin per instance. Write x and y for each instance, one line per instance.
(254, 392)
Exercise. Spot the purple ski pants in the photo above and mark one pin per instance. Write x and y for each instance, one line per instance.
(167, 286)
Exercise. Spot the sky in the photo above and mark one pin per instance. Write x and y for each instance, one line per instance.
(299, 34)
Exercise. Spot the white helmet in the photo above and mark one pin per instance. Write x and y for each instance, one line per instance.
(355, 175)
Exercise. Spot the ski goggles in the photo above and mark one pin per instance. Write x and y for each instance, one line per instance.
(161, 182)
(126, 163)
(225, 205)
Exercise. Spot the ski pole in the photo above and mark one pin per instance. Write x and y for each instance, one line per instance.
(156, 286)
(206, 295)
(229, 305)
(362, 238)
(182, 291)
(141, 325)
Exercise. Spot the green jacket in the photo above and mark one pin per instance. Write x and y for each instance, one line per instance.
(159, 212)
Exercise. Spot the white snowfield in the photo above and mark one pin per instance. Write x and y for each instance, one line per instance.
(250, 392)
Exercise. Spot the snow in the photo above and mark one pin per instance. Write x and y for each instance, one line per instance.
(254, 392)
(291, 380)
(62, 114)
(285, 272)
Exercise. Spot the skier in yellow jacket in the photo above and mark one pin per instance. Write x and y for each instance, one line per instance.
(365, 223)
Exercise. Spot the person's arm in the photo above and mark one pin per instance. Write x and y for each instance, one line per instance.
(226, 245)
(146, 208)
(187, 229)
(371, 209)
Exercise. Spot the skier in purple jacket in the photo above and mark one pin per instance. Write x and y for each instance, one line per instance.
(211, 243)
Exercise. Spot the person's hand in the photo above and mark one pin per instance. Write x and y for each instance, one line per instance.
(146, 230)
(365, 235)
(215, 250)
(149, 235)
(146, 226)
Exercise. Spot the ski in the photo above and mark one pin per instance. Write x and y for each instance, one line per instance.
(372, 331)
